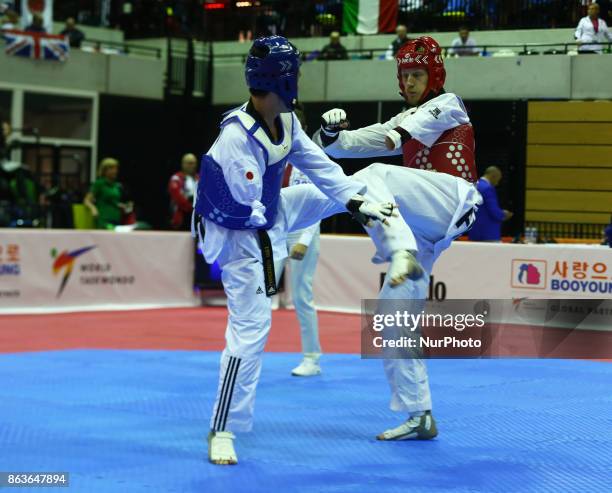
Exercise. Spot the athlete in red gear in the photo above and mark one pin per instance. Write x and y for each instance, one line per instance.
(433, 134)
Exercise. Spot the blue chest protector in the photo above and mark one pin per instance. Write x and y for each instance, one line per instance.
(214, 199)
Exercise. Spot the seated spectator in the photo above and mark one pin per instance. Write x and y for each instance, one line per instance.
(464, 45)
(591, 31)
(398, 42)
(9, 21)
(182, 188)
(8, 142)
(5, 131)
(489, 217)
(20, 192)
(38, 24)
(75, 36)
(106, 198)
(334, 50)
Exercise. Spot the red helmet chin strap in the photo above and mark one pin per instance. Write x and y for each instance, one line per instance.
(425, 53)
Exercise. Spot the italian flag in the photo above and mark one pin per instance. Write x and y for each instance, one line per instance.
(369, 16)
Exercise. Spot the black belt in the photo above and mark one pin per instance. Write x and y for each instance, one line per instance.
(267, 258)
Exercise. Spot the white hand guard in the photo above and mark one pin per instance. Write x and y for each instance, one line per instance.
(257, 213)
(333, 121)
(366, 213)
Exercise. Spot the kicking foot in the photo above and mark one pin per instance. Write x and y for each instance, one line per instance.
(404, 266)
(221, 448)
(309, 367)
(416, 428)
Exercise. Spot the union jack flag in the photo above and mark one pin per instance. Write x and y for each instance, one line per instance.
(40, 46)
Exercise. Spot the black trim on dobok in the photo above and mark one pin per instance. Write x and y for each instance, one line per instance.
(227, 390)
(468, 219)
(267, 257)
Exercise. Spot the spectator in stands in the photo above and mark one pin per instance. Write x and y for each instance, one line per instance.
(334, 50)
(591, 31)
(106, 198)
(489, 217)
(7, 143)
(38, 24)
(464, 45)
(182, 188)
(402, 37)
(6, 198)
(5, 131)
(10, 20)
(75, 35)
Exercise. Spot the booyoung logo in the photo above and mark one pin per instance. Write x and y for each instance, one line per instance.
(580, 276)
(528, 274)
(64, 262)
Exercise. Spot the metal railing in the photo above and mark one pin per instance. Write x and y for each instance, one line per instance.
(189, 70)
(447, 51)
(36, 215)
(119, 48)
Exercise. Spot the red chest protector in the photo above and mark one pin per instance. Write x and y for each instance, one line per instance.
(452, 153)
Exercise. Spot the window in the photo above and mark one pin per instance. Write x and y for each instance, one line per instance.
(62, 117)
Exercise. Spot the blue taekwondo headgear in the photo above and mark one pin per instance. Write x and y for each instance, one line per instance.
(273, 65)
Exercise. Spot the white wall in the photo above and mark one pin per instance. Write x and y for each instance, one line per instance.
(592, 78)
(113, 74)
(514, 77)
(518, 77)
(94, 33)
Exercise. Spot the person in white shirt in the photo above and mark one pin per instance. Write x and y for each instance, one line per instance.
(303, 246)
(592, 31)
(464, 45)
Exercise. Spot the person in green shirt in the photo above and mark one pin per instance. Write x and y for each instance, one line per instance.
(104, 199)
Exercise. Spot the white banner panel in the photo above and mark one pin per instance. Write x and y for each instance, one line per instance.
(64, 270)
(468, 270)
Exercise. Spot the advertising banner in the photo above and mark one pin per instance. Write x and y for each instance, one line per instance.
(64, 270)
(345, 274)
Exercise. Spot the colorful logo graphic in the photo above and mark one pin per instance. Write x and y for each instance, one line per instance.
(528, 274)
(65, 262)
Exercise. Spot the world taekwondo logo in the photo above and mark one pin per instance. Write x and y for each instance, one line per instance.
(64, 263)
(528, 274)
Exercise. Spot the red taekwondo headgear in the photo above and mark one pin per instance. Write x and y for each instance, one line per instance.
(423, 52)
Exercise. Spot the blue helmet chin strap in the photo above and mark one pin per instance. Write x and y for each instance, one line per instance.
(273, 65)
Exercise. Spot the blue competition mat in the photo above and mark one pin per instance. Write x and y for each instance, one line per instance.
(136, 421)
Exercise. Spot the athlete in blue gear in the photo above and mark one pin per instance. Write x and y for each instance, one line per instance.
(247, 220)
